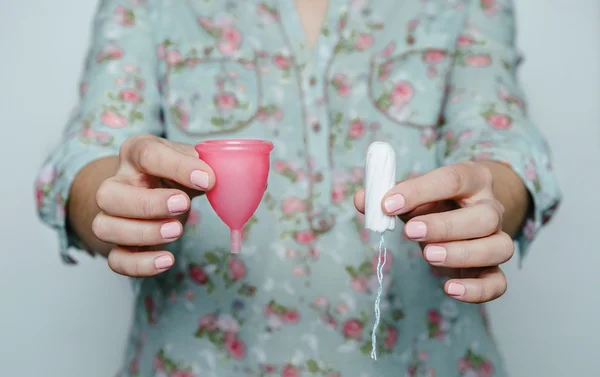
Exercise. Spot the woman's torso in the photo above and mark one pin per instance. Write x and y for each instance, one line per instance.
(298, 301)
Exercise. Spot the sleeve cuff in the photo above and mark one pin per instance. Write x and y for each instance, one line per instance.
(54, 193)
(538, 179)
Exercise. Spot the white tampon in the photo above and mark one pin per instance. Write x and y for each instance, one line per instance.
(380, 177)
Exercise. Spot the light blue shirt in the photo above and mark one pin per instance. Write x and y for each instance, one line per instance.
(436, 79)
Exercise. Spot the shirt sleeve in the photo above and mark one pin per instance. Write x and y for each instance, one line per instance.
(485, 117)
(118, 98)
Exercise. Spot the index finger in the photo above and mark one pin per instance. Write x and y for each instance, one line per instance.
(159, 159)
(459, 181)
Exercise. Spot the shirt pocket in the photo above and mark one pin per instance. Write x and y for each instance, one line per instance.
(211, 96)
(408, 87)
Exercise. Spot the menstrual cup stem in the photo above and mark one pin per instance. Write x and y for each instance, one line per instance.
(236, 241)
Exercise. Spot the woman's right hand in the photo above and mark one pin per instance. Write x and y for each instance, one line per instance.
(145, 204)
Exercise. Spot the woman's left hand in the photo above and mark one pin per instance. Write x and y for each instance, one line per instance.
(453, 213)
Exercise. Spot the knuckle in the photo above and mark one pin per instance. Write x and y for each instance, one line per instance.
(147, 206)
(144, 154)
(131, 143)
(103, 195)
(483, 293)
(485, 175)
(454, 178)
(507, 246)
(466, 256)
(493, 219)
(447, 228)
(99, 226)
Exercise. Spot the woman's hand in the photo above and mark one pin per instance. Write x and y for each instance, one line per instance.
(145, 203)
(455, 216)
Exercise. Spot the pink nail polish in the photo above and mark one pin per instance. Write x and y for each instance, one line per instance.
(163, 262)
(394, 203)
(177, 204)
(435, 254)
(200, 179)
(170, 230)
(415, 229)
(456, 289)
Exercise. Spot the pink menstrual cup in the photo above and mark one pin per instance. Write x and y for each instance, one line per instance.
(241, 168)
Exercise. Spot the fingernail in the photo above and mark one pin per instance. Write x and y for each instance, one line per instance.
(456, 289)
(394, 203)
(163, 262)
(415, 229)
(435, 254)
(170, 230)
(177, 204)
(199, 178)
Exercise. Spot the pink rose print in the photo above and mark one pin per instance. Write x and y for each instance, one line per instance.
(235, 347)
(342, 85)
(230, 42)
(158, 364)
(281, 62)
(223, 333)
(359, 284)
(464, 41)
(479, 61)
(267, 14)
(529, 230)
(357, 129)
(124, 16)
(169, 367)
(363, 42)
(384, 70)
(434, 56)
(291, 316)
(391, 337)
(338, 194)
(320, 302)
(180, 115)
(291, 206)
(129, 95)
(504, 95)
(388, 50)
(44, 183)
(353, 329)
(489, 7)
(499, 121)
(269, 114)
(290, 371)
(401, 94)
(110, 52)
(174, 58)
(150, 310)
(237, 268)
(197, 274)
(434, 322)
(87, 135)
(288, 315)
(113, 120)
(473, 364)
(305, 237)
(429, 137)
(226, 101)
(208, 322)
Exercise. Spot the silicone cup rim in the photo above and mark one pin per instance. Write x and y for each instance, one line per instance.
(245, 145)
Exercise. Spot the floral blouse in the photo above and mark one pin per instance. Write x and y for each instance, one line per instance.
(436, 78)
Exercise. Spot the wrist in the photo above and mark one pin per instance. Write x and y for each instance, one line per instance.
(511, 192)
(81, 204)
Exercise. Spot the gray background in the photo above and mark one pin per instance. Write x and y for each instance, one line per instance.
(60, 321)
